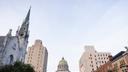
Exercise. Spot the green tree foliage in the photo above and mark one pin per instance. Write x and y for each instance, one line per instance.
(17, 67)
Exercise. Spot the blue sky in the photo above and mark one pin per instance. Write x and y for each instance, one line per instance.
(66, 26)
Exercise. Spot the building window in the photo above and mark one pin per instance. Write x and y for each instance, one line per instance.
(29, 54)
(14, 46)
(40, 48)
(122, 63)
(116, 67)
(11, 59)
(90, 54)
(90, 57)
(39, 54)
(95, 55)
(92, 69)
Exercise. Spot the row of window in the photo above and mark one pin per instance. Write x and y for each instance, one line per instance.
(38, 62)
(31, 52)
(29, 61)
(30, 57)
(99, 62)
(35, 47)
(99, 58)
(100, 55)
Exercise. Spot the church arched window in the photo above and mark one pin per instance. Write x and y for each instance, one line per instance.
(11, 59)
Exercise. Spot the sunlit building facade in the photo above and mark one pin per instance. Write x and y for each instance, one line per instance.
(91, 59)
(37, 56)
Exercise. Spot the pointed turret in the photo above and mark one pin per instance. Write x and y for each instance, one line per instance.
(23, 31)
(27, 17)
(9, 32)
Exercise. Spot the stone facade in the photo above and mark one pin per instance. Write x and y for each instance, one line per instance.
(91, 59)
(37, 56)
(13, 48)
(63, 66)
(118, 63)
(107, 67)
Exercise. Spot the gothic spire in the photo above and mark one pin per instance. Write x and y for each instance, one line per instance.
(23, 32)
(26, 20)
(28, 15)
(9, 32)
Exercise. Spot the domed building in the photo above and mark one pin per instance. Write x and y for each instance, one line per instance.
(63, 66)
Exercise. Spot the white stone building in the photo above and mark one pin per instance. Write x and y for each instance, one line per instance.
(91, 59)
(13, 48)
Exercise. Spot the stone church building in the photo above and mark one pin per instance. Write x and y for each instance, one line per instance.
(13, 48)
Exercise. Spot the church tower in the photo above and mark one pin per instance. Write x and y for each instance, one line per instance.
(13, 48)
(23, 35)
(24, 32)
(63, 66)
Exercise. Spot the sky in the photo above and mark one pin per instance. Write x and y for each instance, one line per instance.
(66, 26)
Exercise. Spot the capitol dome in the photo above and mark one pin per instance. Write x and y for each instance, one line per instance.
(63, 62)
(63, 66)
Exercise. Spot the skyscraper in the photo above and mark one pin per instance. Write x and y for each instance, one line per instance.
(63, 66)
(37, 56)
(91, 59)
(13, 48)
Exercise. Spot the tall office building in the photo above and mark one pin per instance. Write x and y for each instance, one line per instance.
(91, 59)
(37, 56)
